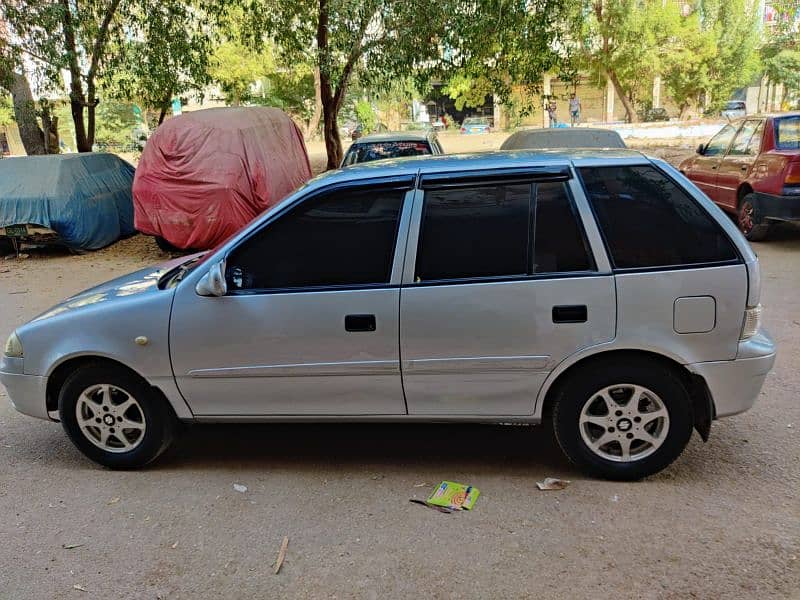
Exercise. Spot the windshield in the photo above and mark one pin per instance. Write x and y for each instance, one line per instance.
(475, 121)
(734, 105)
(787, 133)
(359, 153)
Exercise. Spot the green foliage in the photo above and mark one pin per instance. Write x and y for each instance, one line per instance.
(468, 91)
(115, 123)
(236, 68)
(365, 115)
(6, 110)
(291, 90)
(165, 54)
(781, 55)
(733, 27)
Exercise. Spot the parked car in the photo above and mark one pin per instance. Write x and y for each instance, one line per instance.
(476, 125)
(82, 201)
(205, 174)
(378, 146)
(360, 131)
(734, 109)
(751, 169)
(597, 289)
(572, 137)
(653, 114)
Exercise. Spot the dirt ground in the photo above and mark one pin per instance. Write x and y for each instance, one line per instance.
(722, 522)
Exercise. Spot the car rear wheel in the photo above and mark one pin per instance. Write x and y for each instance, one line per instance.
(749, 222)
(623, 420)
(114, 417)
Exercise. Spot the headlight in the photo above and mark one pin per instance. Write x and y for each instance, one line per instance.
(13, 347)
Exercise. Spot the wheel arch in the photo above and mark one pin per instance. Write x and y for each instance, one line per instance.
(59, 374)
(744, 189)
(703, 411)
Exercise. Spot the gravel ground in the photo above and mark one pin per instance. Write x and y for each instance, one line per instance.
(722, 522)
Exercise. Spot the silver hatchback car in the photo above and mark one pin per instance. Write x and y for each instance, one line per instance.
(599, 289)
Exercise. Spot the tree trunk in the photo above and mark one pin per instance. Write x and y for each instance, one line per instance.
(330, 129)
(630, 111)
(313, 123)
(25, 114)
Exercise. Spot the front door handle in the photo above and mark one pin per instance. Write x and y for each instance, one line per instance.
(572, 313)
(359, 322)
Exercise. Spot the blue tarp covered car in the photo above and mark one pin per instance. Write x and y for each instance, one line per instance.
(83, 198)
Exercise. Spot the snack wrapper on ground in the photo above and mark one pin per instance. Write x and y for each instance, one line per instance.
(455, 496)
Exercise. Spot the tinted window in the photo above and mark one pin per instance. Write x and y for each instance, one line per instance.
(648, 221)
(359, 153)
(499, 231)
(344, 238)
(720, 142)
(743, 145)
(559, 245)
(787, 133)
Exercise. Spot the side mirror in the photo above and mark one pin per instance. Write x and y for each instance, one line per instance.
(701, 149)
(213, 282)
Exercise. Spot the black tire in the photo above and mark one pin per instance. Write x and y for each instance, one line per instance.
(586, 382)
(156, 414)
(754, 228)
(6, 247)
(166, 246)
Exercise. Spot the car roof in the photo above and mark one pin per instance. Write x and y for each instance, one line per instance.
(568, 137)
(394, 136)
(778, 115)
(441, 163)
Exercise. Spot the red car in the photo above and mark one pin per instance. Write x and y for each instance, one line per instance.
(751, 169)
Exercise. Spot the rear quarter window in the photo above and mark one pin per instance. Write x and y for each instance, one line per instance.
(647, 220)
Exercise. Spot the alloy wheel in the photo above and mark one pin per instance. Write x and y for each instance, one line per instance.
(110, 418)
(624, 422)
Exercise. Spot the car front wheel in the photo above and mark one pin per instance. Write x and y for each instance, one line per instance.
(623, 419)
(114, 417)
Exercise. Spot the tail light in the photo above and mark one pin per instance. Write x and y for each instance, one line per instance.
(793, 174)
(463, 130)
(751, 322)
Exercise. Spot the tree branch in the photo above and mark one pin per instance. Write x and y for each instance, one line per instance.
(102, 34)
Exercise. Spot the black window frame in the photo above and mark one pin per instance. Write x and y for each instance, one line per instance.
(506, 177)
(401, 183)
(682, 267)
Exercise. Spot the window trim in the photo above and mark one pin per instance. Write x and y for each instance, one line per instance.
(487, 177)
(404, 183)
(681, 267)
(415, 237)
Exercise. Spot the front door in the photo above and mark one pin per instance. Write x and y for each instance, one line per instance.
(499, 287)
(736, 165)
(309, 325)
(705, 168)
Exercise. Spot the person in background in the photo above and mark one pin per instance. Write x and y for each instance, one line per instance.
(551, 113)
(574, 110)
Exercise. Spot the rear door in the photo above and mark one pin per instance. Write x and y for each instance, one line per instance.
(738, 161)
(499, 286)
(705, 167)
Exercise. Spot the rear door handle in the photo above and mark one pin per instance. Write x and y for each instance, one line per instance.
(359, 322)
(572, 313)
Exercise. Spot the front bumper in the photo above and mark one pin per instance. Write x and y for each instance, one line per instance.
(735, 384)
(27, 393)
(781, 208)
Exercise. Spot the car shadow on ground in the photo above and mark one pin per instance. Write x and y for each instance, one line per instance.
(368, 445)
(785, 235)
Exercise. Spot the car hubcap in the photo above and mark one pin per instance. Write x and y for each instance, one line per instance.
(746, 217)
(624, 422)
(110, 418)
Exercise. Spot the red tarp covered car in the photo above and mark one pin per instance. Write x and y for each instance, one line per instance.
(205, 174)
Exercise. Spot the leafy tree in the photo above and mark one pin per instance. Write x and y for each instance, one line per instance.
(60, 34)
(236, 67)
(781, 55)
(6, 110)
(164, 54)
(733, 26)
(365, 115)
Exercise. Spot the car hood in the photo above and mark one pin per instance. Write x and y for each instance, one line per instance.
(144, 281)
